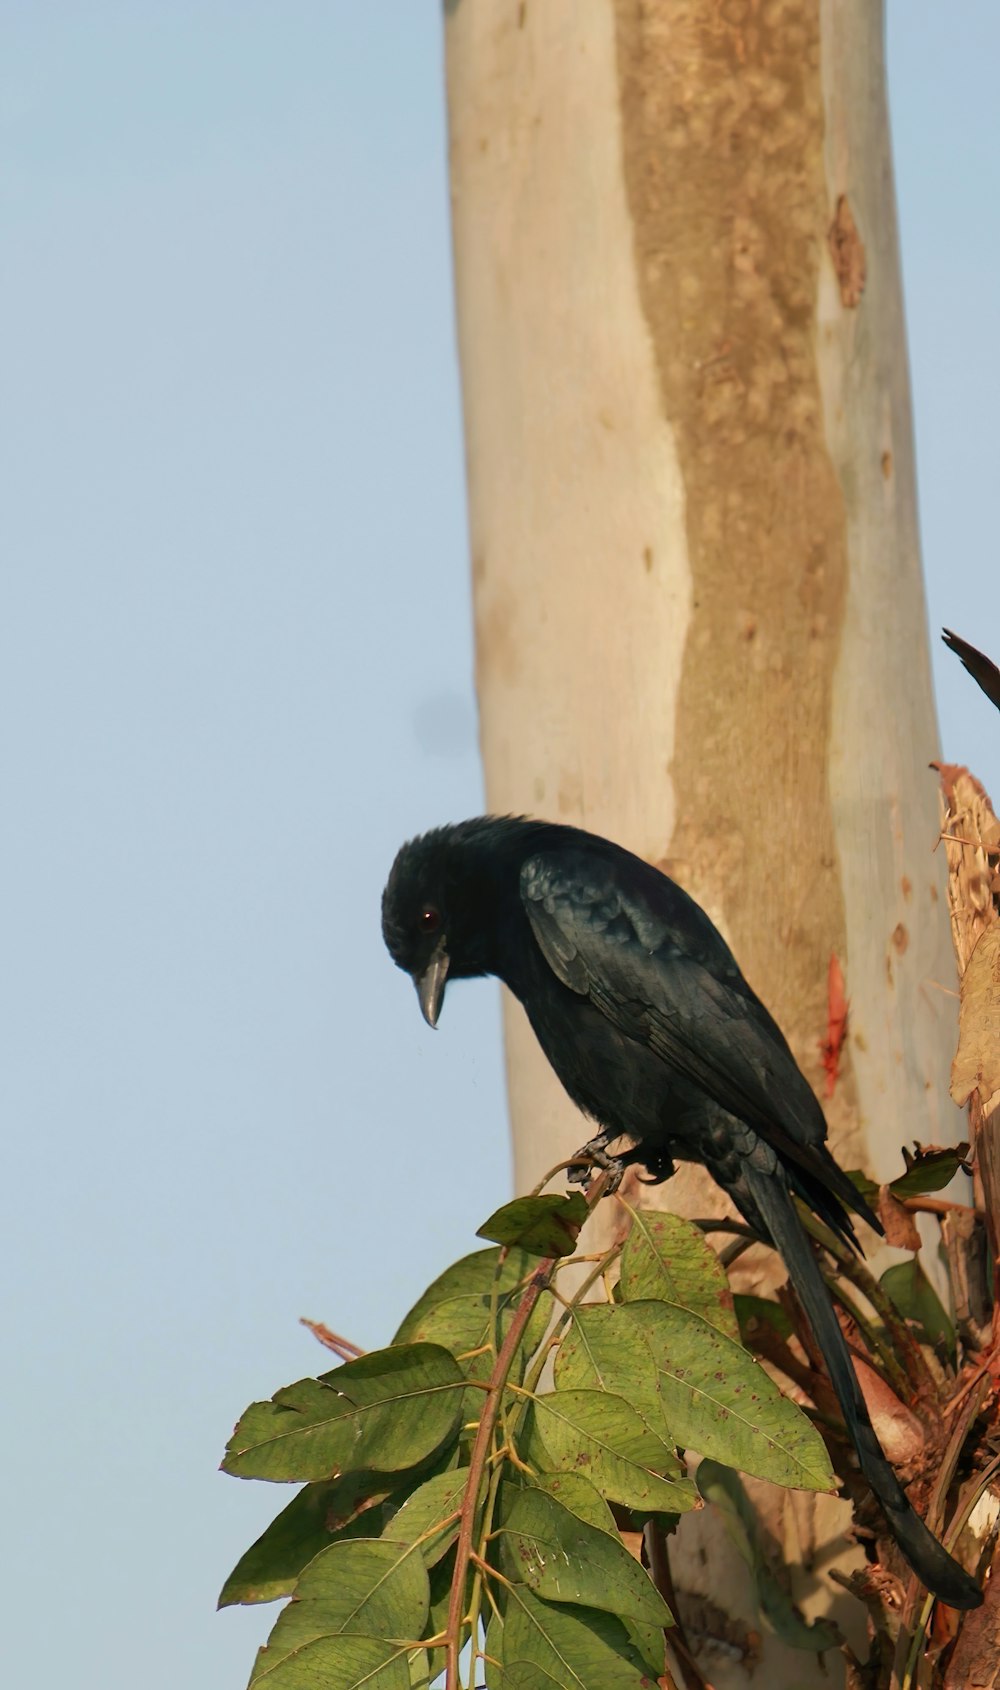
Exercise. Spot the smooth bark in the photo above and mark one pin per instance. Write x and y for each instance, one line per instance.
(700, 617)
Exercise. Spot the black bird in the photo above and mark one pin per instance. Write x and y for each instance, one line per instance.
(639, 1005)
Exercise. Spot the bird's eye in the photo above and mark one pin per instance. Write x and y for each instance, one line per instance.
(430, 919)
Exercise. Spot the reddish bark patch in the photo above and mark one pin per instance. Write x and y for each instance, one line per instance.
(837, 1009)
(848, 253)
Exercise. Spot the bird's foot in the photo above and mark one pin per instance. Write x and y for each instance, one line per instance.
(658, 1167)
(594, 1155)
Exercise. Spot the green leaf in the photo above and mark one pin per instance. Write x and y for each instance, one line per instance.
(547, 1646)
(928, 1170)
(694, 1386)
(667, 1258)
(462, 1325)
(427, 1665)
(455, 1310)
(604, 1438)
(724, 1490)
(425, 1519)
(370, 1587)
(916, 1299)
(868, 1187)
(423, 1667)
(719, 1401)
(470, 1276)
(337, 1663)
(563, 1559)
(544, 1226)
(605, 1350)
(650, 1643)
(581, 1498)
(271, 1566)
(388, 1410)
(752, 1312)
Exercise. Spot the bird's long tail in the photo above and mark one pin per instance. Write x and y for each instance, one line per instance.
(928, 1558)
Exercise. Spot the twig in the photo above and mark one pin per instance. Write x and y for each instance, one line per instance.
(881, 1356)
(938, 1206)
(736, 1249)
(916, 1596)
(854, 1269)
(570, 1162)
(718, 1223)
(907, 1644)
(341, 1347)
(659, 1571)
(981, 1371)
(477, 1464)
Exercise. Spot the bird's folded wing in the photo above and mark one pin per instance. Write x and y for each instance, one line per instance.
(638, 955)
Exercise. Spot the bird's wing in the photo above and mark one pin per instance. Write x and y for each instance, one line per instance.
(650, 960)
(980, 667)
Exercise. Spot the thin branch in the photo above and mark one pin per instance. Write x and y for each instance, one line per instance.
(332, 1340)
(560, 1167)
(722, 1223)
(477, 1465)
(881, 1356)
(659, 1571)
(853, 1268)
(939, 1206)
(908, 1642)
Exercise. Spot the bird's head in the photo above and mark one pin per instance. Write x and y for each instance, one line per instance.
(444, 902)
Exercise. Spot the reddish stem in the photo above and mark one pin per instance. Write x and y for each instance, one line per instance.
(491, 1409)
(332, 1340)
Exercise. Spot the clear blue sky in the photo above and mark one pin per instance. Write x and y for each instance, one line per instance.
(235, 670)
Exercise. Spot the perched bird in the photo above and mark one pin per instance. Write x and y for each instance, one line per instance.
(639, 1005)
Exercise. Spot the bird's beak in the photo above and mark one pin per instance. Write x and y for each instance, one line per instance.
(430, 984)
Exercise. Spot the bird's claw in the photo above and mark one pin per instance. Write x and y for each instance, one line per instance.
(593, 1155)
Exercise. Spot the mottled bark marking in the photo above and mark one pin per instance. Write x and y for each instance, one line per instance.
(722, 116)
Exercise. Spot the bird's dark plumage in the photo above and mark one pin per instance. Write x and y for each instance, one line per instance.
(642, 1011)
(982, 668)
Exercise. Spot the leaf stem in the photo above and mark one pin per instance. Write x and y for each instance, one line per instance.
(570, 1162)
(477, 1464)
(480, 1450)
(882, 1356)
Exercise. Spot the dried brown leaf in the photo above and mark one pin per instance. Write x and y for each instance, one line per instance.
(977, 1061)
(897, 1428)
(971, 837)
(900, 1226)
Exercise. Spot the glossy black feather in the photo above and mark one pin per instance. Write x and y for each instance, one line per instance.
(982, 668)
(645, 1016)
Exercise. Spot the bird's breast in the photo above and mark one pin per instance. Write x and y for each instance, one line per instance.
(613, 1078)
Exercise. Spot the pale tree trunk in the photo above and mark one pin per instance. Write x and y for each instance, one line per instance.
(699, 610)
